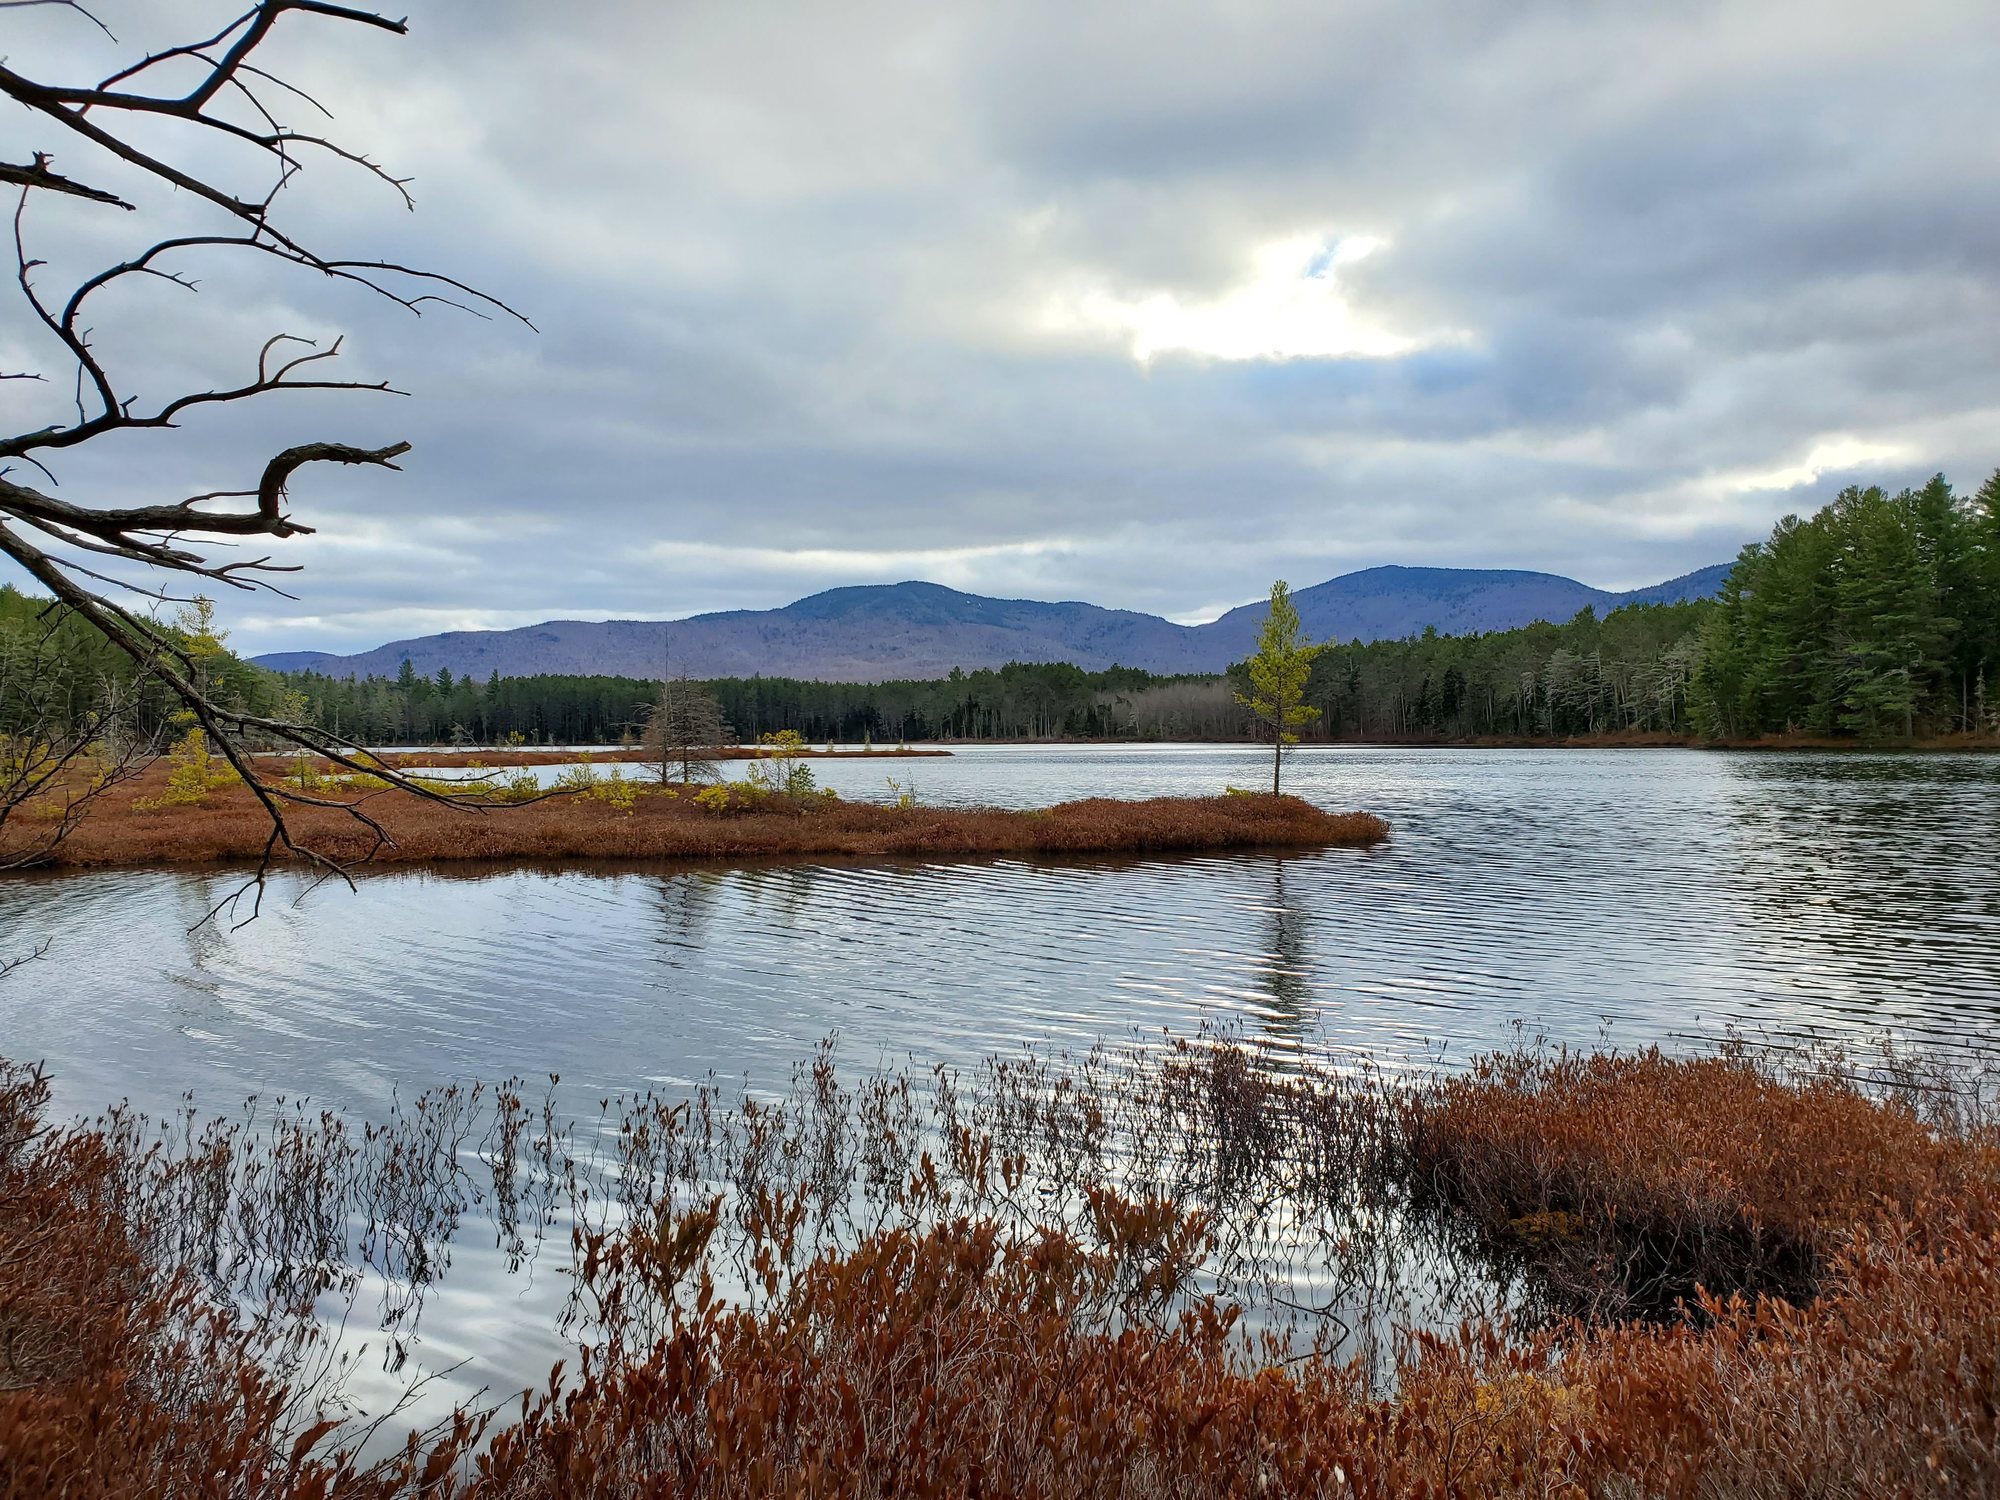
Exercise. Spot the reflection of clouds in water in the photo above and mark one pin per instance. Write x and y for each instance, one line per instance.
(1870, 879)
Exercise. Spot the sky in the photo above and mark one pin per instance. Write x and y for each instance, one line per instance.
(1142, 304)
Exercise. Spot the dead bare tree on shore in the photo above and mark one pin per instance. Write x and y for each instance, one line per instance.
(684, 726)
(115, 563)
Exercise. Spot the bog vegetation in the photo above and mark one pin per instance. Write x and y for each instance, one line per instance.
(1052, 1277)
(184, 810)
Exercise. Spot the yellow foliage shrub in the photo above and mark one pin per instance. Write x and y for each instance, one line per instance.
(615, 792)
(197, 772)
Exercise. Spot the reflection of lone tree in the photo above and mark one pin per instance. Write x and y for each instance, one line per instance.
(1288, 963)
(682, 727)
(164, 135)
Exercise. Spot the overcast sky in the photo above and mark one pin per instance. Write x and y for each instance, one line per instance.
(1142, 304)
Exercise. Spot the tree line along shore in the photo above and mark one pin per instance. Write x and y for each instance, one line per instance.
(1874, 621)
(445, 758)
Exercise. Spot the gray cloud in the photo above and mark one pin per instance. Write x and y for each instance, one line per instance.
(849, 294)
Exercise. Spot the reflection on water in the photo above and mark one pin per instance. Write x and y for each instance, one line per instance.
(1647, 895)
(1640, 896)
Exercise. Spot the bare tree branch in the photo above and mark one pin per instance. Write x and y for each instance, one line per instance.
(37, 175)
(50, 538)
(75, 5)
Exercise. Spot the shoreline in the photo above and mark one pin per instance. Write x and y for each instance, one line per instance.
(627, 821)
(1962, 744)
(443, 759)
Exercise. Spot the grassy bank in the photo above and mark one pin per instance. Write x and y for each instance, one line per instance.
(960, 1291)
(632, 820)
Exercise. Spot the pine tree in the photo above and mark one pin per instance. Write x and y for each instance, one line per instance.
(1982, 620)
(1887, 613)
(1278, 675)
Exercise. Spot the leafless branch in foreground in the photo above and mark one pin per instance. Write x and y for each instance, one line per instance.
(89, 555)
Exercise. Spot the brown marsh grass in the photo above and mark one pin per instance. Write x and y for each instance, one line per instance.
(229, 826)
(1016, 1283)
(1629, 1184)
(493, 759)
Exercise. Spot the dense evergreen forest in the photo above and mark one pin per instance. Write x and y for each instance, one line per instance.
(1634, 669)
(1019, 701)
(1878, 618)
(56, 671)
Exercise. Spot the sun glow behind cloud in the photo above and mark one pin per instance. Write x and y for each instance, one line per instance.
(1293, 306)
(1833, 455)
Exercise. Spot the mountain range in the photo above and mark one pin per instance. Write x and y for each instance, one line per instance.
(876, 632)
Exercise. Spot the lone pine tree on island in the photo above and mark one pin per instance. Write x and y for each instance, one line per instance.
(1278, 675)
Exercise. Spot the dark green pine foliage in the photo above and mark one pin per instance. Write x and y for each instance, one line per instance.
(1630, 671)
(56, 670)
(1979, 622)
(1873, 618)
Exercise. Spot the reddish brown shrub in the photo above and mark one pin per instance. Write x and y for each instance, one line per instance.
(231, 826)
(1630, 1183)
(973, 1355)
(119, 1376)
(955, 1363)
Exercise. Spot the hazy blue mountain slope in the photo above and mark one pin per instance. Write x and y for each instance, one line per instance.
(924, 630)
(1703, 583)
(1387, 603)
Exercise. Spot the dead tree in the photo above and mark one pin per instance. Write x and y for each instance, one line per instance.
(684, 727)
(115, 562)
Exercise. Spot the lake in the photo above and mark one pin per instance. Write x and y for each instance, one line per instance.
(1620, 897)
(1635, 895)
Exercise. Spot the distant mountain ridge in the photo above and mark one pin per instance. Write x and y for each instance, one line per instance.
(874, 632)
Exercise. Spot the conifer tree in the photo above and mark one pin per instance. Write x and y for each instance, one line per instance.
(1278, 675)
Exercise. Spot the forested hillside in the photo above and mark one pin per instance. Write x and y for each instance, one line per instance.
(920, 631)
(1877, 618)
(1630, 670)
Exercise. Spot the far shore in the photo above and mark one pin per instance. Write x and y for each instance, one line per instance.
(443, 758)
(625, 820)
(446, 759)
(1610, 740)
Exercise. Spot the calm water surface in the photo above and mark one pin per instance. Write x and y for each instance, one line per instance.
(1639, 895)
(1632, 896)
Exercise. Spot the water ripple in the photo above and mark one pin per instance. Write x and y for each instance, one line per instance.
(1639, 896)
